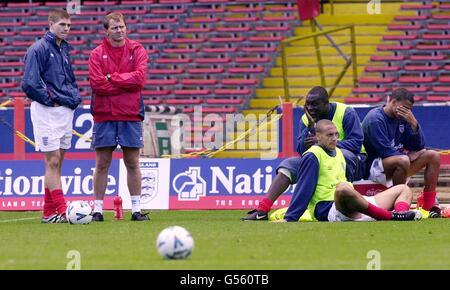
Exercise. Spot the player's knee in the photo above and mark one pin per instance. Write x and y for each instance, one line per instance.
(102, 165)
(343, 191)
(433, 157)
(402, 162)
(53, 163)
(405, 190)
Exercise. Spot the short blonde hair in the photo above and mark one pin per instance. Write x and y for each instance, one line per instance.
(57, 14)
(116, 16)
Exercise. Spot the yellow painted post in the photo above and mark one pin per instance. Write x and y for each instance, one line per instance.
(332, 6)
(318, 54)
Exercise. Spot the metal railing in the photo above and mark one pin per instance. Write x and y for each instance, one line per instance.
(348, 61)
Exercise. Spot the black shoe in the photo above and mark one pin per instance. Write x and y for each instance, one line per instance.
(406, 215)
(138, 216)
(435, 212)
(97, 217)
(256, 215)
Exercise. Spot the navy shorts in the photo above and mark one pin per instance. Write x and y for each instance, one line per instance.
(113, 133)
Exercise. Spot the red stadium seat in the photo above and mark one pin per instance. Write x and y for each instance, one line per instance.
(9, 85)
(161, 82)
(219, 49)
(202, 20)
(152, 101)
(417, 6)
(404, 27)
(226, 39)
(186, 92)
(180, 50)
(381, 68)
(160, 20)
(239, 82)
(351, 100)
(279, 18)
(232, 92)
(400, 37)
(155, 93)
(265, 38)
(439, 89)
(211, 60)
(253, 59)
(393, 47)
(417, 80)
(96, 3)
(438, 27)
(249, 19)
(168, 11)
(388, 58)
(438, 99)
(205, 70)
(207, 10)
(235, 29)
(216, 101)
(246, 70)
(428, 57)
(199, 82)
(374, 80)
(184, 101)
(432, 47)
(411, 17)
(364, 90)
(436, 37)
(173, 71)
(444, 79)
(421, 67)
(173, 60)
(194, 30)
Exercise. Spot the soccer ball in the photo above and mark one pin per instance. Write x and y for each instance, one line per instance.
(79, 212)
(175, 243)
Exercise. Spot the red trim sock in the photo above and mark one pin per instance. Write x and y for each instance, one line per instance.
(401, 206)
(265, 205)
(49, 207)
(377, 212)
(429, 198)
(59, 201)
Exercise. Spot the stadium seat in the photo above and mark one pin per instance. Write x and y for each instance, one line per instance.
(363, 90)
(199, 82)
(216, 101)
(438, 99)
(184, 101)
(351, 100)
(417, 80)
(382, 68)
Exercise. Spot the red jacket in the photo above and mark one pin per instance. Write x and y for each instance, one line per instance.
(118, 99)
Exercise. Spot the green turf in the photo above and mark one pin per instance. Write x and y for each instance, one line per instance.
(222, 241)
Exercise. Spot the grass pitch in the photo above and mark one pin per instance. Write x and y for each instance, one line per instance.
(222, 241)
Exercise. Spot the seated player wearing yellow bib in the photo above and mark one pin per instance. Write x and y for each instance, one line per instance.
(322, 188)
(317, 107)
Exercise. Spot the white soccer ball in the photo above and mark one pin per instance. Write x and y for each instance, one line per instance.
(175, 243)
(79, 212)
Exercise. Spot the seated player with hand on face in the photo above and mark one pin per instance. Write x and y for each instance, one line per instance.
(395, 146)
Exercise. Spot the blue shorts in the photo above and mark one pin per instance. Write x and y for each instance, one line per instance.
(113, 133)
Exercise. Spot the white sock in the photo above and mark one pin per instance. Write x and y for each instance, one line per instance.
(98, 205)
(135, 203)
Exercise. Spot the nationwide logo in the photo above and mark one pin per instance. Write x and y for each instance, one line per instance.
(190, 185)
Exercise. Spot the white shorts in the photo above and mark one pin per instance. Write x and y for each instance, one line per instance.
(377, 173)
(336, 216)
(52, 127)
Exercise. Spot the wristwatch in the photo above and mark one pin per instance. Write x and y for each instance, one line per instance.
(108, 77)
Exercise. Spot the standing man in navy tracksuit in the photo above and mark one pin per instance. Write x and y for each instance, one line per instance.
(396, 148)
(50, 83)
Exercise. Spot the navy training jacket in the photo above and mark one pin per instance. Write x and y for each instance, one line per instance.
(48, 74)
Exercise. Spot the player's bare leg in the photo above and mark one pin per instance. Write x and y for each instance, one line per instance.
(103, 158)
(279, 185)
(351, 203)
(396, 168)
(134, 180)
(429, 159)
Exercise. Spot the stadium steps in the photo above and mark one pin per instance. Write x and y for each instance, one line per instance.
(420, 56)
(303, 72)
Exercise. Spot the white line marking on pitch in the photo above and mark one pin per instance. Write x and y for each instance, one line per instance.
(22, 219)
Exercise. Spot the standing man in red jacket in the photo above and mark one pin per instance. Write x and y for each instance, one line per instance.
(117, 73)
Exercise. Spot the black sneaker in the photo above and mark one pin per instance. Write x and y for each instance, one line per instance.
(256, 215)
(97, 217)
(410, 215)
(435, 212)
(138, 216)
